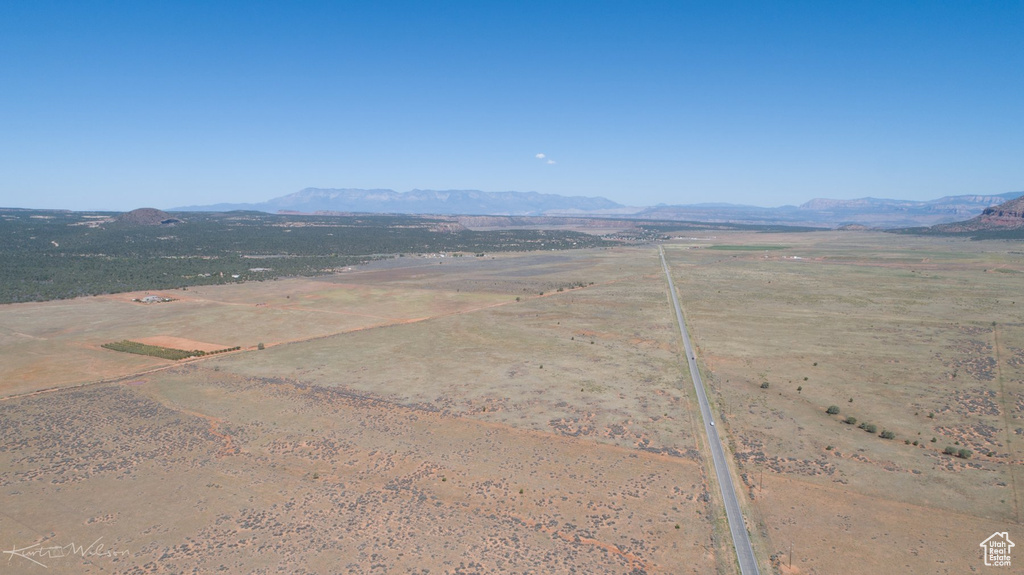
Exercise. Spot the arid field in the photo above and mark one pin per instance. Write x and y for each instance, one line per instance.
(418, 416)
(920, 337)
(528, 413)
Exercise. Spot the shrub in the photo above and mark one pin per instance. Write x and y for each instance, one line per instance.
(963, 453)
(260, 345)
(950, 450)
(765, 385)
(832, 409)
(886, 434)
(868, 427)
(850, 420)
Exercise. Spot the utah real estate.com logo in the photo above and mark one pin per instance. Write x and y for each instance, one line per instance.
(997, 549)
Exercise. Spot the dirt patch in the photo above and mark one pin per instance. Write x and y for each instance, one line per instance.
(313, 477)
(181, 343)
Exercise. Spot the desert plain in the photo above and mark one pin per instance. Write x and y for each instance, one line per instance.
(529, 413)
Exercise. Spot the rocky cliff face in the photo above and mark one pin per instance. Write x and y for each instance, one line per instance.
(1009, 214)
(1005, 216)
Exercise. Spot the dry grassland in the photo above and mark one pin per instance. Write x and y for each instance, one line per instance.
(413, 416)
(402, 418)
(57, 344)
(921, 337)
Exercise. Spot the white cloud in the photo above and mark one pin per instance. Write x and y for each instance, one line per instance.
(540, 156)
(551, 162)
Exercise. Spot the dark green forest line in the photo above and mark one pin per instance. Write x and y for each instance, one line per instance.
(48, 255)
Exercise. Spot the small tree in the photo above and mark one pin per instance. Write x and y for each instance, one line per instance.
(851, 420)
(963, 453)
(832, 409)
(950, 450)
(886, 434)
(868, 427)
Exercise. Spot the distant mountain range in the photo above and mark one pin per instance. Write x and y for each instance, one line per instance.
(871, 212)
(446, 202)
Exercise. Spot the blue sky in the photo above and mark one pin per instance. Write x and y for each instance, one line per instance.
(117, 105)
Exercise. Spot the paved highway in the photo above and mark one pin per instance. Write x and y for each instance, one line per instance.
(740, 539)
